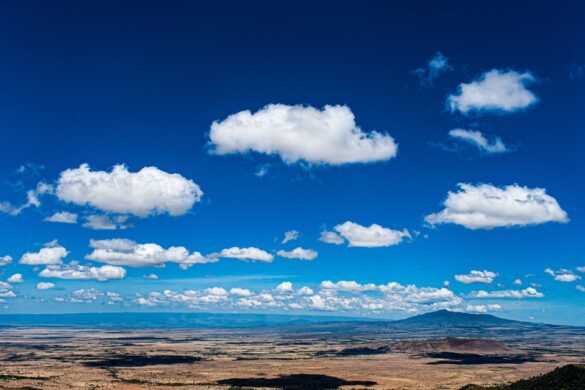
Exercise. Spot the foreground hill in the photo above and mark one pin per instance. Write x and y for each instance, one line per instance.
(569, 377)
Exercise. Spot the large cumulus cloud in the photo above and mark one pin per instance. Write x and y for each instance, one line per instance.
(146, 192)
(301, 133)
(485, 206)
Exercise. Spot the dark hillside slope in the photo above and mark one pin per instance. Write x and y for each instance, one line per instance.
(570, 377)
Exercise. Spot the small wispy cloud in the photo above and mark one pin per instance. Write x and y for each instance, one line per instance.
(291, 235)
(31, 201)
(576, 71)
(262, 170)
(105, 222)
(436, 66)
(492, 145)
(62, 217)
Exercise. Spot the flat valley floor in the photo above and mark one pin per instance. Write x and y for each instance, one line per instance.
(53, 358)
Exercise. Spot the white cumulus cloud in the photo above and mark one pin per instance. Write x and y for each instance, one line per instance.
(6, 291)
(130, 253)
(217, 291)
(342, 296)
(16, 278)
(146, 192)
(75, 271)
(476, 277)
(250, 253)
(284, 287)
(496, 90)
(483, 308)
(301, 133)
(5, 260)
(485, 206)
(298, 253)
(562, 275)
(370, 236)
(53, 254)
(45, 285)
(242, 292)
(305, 291)
(331, 238)
(480, 141)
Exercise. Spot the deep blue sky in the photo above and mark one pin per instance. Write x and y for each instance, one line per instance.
(139, 83)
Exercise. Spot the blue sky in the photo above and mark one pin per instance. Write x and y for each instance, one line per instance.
(362, 112)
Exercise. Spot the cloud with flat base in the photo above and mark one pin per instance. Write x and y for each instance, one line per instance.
(485, 206)
(327, 136)
(149, 191)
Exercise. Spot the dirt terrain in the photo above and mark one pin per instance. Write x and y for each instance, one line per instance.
(53, 358)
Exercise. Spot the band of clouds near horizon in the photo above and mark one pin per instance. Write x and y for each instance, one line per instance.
(333, 296)
(343, 295)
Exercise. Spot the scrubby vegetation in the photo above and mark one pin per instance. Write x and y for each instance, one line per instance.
(569, 377)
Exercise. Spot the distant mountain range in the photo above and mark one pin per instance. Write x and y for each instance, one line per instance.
(164, 320)
(451, 318)
(442, 323)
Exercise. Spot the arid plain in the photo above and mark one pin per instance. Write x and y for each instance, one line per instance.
(315, 356)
